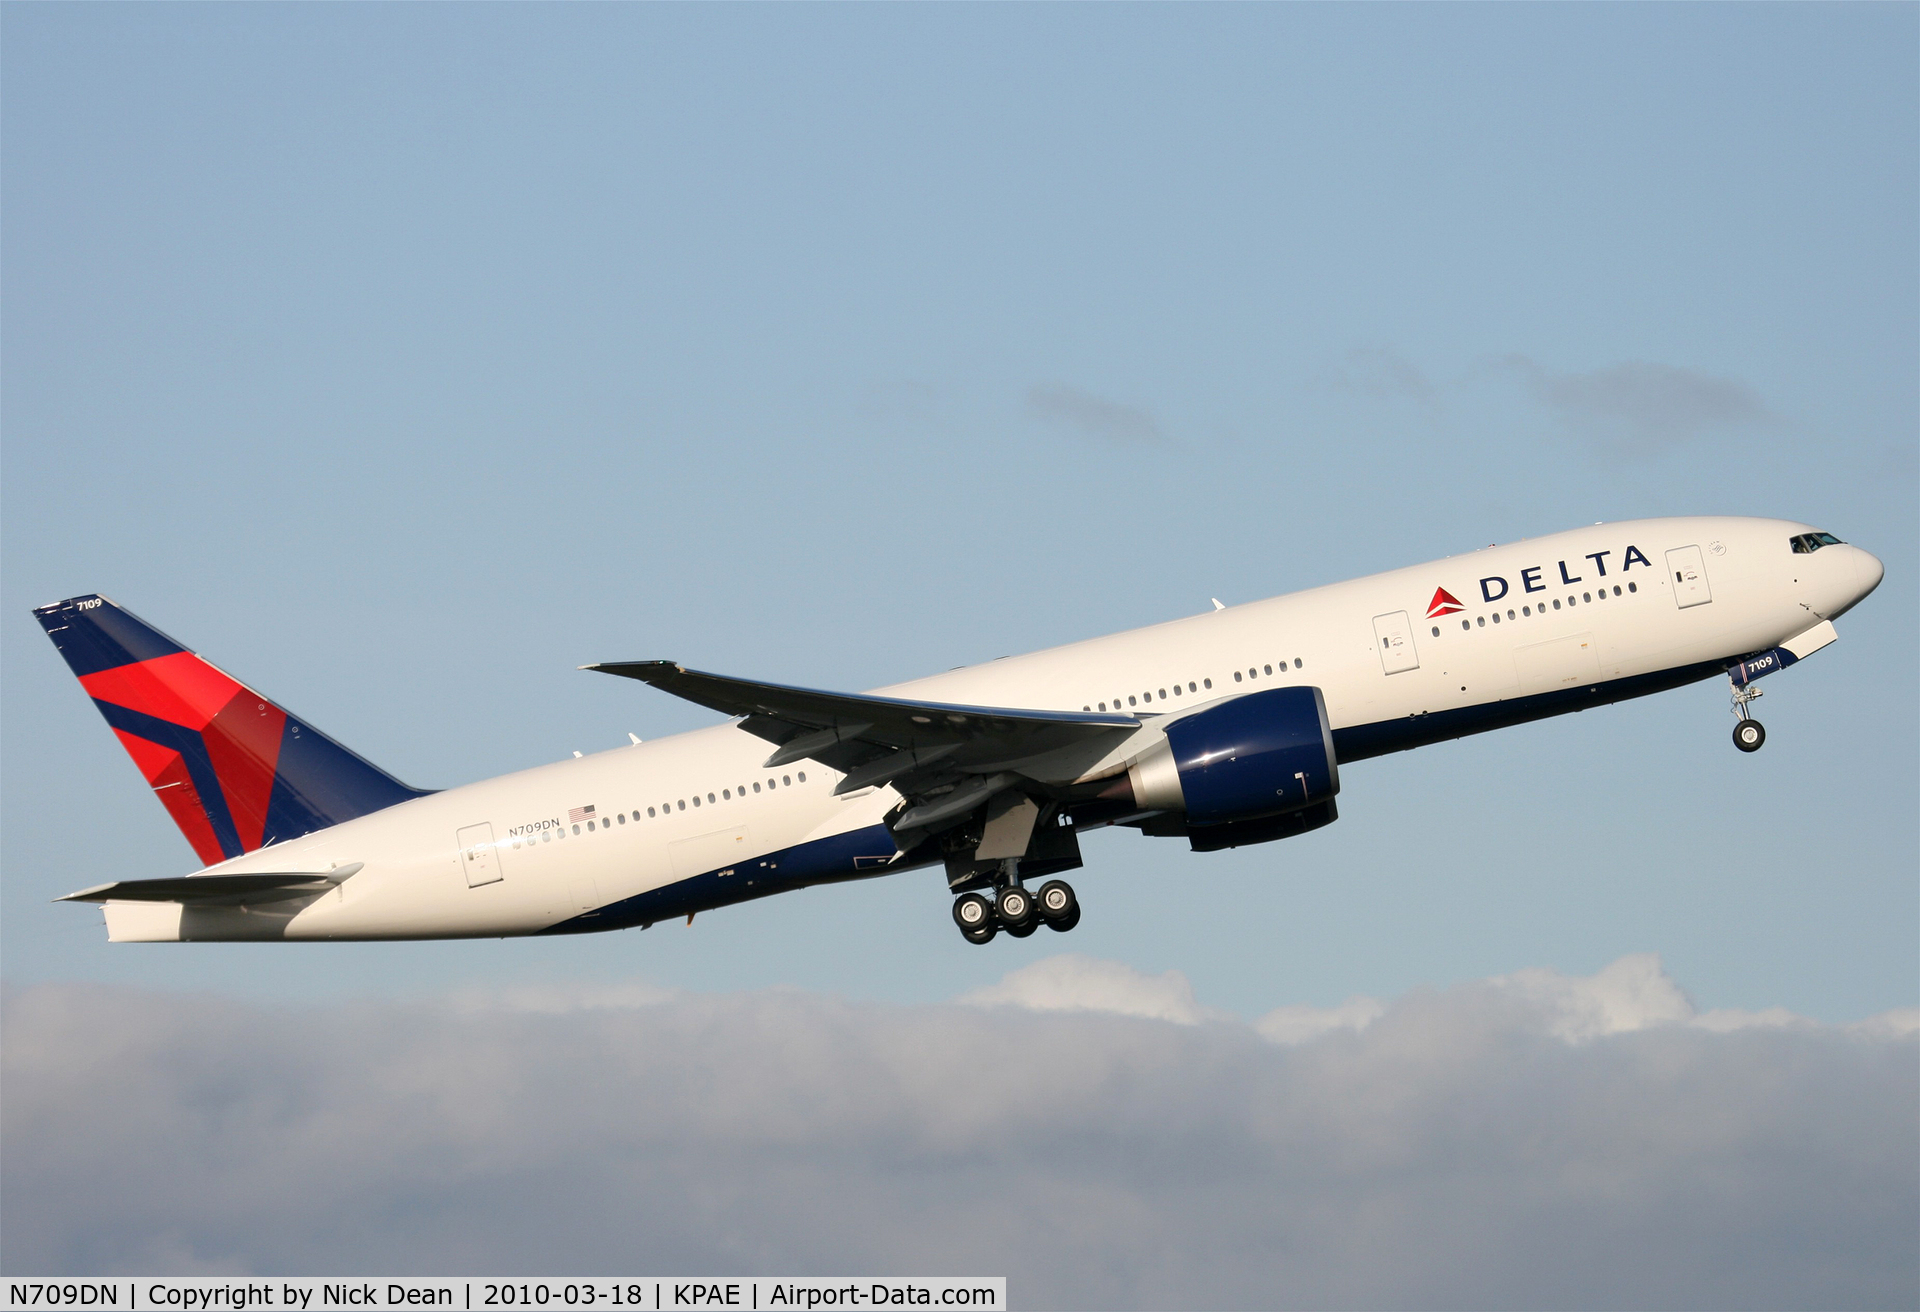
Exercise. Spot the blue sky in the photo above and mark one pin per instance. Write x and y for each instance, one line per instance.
(403, 359)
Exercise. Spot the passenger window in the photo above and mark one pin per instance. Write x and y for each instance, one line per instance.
(1436, 630)
(683, 803)
(1496, 617)
(1163, 694)
(1133, 701)
(1253, 674)
(1526, 610)
(1209, 683)
(1586, 596)
(802, 776)
(1236, 677)
(787, 780)
(1176, 690)
(1269, 669)
(576, 829)
(1556, 605)
(1465, 625)
(1633, 587)
(1103, 706)
(756, 788)
(1190, 687)
(1509, 614)
(1616, 589)
(649, 813)
(709, 797)
(589, 827)
(1481, 621)
(1298, 663)
(546, 835)
(696, 799)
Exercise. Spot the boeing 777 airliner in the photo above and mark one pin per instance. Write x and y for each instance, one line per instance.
(1225, 728)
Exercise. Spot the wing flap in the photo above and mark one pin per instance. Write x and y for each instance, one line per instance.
(921, 749)
(836, 720)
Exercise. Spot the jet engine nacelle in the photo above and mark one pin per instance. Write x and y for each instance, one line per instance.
(1264, 754)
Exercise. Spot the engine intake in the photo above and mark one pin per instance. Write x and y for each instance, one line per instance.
(1264, 754)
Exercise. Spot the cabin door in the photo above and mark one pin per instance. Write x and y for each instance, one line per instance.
(1688, 571)
(1394, 636)
(479, 858)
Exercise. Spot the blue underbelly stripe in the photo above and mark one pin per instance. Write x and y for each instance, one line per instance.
(852, 855)
(1358, 742)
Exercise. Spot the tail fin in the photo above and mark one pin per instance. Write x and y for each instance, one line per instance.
(235, 771)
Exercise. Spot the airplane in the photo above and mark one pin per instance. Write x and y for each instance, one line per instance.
(1226, 728)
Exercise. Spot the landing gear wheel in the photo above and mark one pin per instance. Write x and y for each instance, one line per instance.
(1022, 930)
(1749, 735)
(1057, 902)
(974, 913)
(983, 934)
(1067, 922)
(1015, 906)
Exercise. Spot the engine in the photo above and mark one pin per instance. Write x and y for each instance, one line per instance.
(1241, 764)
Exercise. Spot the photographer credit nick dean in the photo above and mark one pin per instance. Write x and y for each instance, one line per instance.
(1225, 728)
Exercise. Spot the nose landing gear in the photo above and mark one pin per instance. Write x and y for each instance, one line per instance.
(1749, 735)
(1017, 911)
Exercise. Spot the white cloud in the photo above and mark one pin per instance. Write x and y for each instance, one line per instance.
(1534, 1140)
(1300, 1023)
(1070, 982)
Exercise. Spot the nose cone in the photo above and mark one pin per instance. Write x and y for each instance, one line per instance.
(1868, 568)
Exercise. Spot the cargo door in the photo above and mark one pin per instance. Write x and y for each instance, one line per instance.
(718, 851)
(1570, 662)
(1687, 570)
(479, 858)
(1394, 638)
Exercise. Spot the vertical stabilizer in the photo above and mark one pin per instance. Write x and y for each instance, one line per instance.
(234, 770)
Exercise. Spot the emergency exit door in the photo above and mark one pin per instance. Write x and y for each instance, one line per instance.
(1687, 572)
(479, 859)
(1394, 638)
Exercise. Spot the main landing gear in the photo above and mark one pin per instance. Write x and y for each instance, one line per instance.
(1749, 735)
(1017, 911)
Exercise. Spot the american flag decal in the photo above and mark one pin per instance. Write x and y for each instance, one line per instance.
(579, 813)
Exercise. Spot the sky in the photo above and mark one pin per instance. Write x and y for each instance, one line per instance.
(401, 360)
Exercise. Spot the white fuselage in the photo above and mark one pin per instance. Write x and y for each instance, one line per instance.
(1547, 625)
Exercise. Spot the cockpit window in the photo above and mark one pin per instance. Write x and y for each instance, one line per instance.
(1807, 543)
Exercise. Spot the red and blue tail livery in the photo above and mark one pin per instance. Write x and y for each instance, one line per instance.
(235, 771)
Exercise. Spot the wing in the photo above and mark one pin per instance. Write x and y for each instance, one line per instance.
(214, 888)
(945, 759)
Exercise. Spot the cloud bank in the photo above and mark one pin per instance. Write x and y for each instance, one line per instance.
(1089, 1130)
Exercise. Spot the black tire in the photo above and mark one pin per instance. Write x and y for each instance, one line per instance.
(1062, 926)
(1014, 906)
(1056, 901)
(971, 912)
(1021, 931)
(1749, 735)
(984, 934)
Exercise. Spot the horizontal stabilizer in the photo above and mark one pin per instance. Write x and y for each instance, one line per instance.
(210, 888)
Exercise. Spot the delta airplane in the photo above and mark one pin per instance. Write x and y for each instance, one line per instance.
(1226, 728)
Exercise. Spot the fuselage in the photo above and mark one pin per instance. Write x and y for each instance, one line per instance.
(1413, 656)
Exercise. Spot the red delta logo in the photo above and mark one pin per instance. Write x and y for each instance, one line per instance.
(1443, 603)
